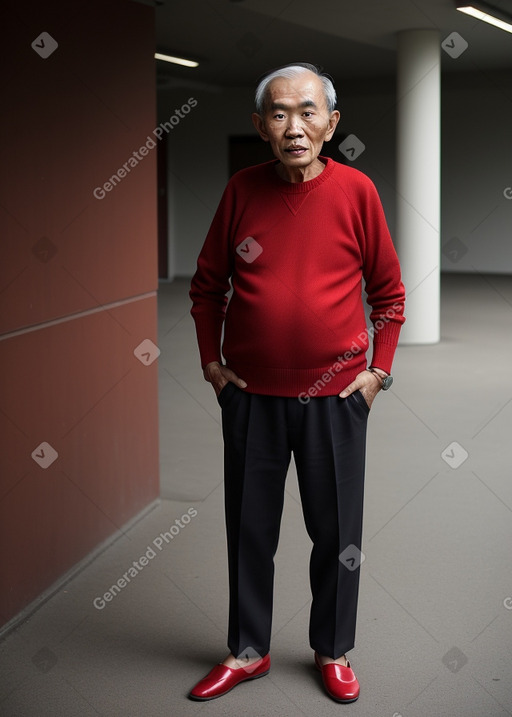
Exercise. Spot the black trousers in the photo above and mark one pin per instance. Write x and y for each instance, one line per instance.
(327, 436)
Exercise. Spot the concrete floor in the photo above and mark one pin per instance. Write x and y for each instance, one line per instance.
(435, 614)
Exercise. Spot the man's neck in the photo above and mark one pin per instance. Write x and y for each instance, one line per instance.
(300, 174)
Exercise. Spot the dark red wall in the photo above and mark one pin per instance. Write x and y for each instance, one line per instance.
(78, 280)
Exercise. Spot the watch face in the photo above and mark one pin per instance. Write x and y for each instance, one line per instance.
(386, 383)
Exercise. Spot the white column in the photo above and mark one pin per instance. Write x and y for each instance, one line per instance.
(418, 182)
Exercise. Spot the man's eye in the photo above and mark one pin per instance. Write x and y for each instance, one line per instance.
(308, 114)
(279, 116)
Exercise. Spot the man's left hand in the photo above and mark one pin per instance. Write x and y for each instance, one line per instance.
(368, 383)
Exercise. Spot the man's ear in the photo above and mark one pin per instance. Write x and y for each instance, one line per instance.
(260, 126)
(333, 123)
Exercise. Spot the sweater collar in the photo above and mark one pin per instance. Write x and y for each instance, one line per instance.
(301, 187)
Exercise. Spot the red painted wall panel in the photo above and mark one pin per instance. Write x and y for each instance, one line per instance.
(78, 387)
(73, 120)
(77, 286)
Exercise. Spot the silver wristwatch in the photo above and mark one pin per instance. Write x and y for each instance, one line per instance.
(385, 382)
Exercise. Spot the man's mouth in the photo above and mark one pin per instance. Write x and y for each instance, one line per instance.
(296, 151)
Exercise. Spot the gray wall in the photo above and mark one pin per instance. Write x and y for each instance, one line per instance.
(198, 164)
(476, 171)
(476, 168)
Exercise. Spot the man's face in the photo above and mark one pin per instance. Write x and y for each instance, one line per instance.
(296, 121)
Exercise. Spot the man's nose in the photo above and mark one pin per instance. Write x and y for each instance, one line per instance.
(294, 128)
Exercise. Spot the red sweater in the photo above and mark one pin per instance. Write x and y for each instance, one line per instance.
(296, 254)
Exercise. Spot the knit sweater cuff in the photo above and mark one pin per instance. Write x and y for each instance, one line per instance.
(384, 346)
(208, 338)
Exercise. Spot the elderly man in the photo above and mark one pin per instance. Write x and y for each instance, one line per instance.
(295, 237)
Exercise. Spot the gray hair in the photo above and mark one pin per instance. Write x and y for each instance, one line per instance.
(290, 72)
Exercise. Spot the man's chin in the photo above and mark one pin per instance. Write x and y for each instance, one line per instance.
(301, 160)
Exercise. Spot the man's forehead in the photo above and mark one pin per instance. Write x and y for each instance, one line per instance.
(297, 90)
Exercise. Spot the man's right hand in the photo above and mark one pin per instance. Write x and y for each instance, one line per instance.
(219, 376)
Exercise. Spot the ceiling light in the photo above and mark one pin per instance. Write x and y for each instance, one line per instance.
(176, 60)
(486, 13)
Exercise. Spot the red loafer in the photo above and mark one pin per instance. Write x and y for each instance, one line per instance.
(222, 679)
(340, 682)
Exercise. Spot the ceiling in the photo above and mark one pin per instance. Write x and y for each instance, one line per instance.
(236, 41)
